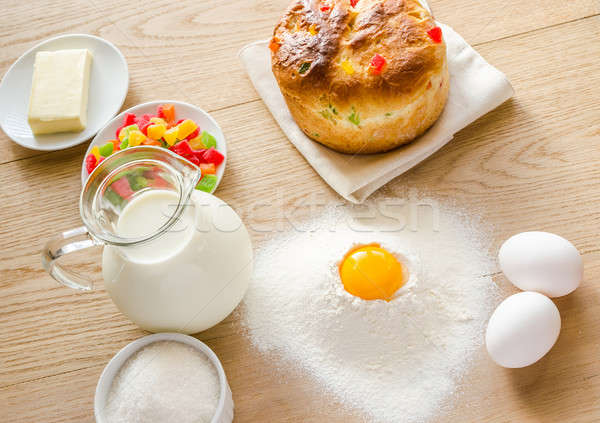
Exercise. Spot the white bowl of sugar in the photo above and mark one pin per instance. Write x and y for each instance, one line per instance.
(164, 377)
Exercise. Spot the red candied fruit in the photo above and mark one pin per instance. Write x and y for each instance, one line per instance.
(193, 135)
(194, 159)
(143, 122)
(353, 3)
(213, 156)
(197, 157)
(158, 182)
(435, 34)
(122, 187)
(182, 148)
(130, 119)
(144, 127)
(377, 64)
(90, 163)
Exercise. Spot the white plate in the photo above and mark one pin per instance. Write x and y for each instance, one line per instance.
(224, 411)
(182, 111)
(109, 81)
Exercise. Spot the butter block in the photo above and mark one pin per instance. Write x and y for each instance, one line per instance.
(59, 91)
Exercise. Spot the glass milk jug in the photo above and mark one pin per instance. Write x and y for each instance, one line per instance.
(174, 258)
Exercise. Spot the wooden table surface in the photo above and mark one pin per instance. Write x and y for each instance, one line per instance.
(533, 163)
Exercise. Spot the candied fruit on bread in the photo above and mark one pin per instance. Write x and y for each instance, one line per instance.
(361, 76)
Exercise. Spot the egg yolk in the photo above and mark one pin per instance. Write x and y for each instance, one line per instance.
(371, 273)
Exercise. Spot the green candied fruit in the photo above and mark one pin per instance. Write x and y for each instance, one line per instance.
(124, 144)
(208, 140)
(130, 128)
(107, 149)
(113, 197)
(127, 130)
(207, 183)
(354, 117)
(326, 114)
(130, 174)
(137, 182)
(304, 68)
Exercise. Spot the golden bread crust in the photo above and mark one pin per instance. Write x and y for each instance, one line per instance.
(322, 53)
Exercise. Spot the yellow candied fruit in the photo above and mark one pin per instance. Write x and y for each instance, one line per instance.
(347, 66)
(312, 29)
(158, 120)
(196, 143)
(123, 134)
(96, 152)
(136, 138)
(157, 131)
(170, 136)
(185, 128)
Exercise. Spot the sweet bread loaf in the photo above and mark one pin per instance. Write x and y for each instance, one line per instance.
(361, 76)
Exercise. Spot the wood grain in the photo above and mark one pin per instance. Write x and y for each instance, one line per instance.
(530, 164)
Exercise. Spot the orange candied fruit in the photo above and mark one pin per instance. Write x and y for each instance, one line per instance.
(274, 44)
(208, 168)
(167, 112)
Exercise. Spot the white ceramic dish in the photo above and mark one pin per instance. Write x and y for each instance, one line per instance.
(182, 111)
(109, 81)
(224, 412)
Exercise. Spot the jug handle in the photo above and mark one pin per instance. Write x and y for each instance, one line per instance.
(66, 243)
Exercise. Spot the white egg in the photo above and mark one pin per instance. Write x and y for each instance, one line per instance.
(522, 329)
(541, 262)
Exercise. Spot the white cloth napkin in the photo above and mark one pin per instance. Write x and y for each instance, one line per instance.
(476, 88)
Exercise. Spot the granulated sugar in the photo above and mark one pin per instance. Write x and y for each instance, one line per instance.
(397, 361)
(164, 382)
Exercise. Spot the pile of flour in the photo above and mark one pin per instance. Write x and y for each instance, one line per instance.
(396, 361)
